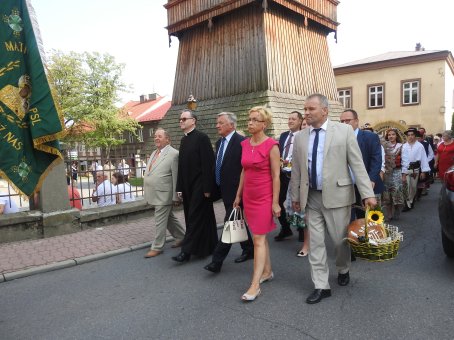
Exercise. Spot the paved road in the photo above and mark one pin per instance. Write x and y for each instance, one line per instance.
(128, 297)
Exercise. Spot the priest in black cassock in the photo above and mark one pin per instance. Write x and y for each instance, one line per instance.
(195, 186)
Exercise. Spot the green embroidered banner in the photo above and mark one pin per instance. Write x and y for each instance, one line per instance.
(29, 120)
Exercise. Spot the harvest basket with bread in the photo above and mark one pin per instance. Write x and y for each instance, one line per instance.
(372, 239)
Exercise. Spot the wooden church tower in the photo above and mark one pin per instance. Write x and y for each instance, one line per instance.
(236, 54)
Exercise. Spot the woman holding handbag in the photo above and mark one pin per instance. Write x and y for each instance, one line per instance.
(259, 191)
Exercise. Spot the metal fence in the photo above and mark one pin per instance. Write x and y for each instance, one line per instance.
(82, 169)
(81, 174)
(13, 197)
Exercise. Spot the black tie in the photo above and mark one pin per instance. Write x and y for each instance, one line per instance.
(314, 161)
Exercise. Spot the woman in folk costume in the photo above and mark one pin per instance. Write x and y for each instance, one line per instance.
(393, 195)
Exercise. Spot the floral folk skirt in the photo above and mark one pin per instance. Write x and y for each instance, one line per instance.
(394, 190)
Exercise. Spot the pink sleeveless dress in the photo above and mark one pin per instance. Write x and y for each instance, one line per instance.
(258, 186)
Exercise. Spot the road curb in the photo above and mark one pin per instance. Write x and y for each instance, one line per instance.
(100, 256)
(77, 261)
(40, 269)
(147, 244)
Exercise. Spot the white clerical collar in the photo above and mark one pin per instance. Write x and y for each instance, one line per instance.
(187, 133)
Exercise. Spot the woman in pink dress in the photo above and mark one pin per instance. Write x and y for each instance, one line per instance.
(259, 190)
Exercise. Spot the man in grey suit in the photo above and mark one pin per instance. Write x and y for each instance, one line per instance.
(160, 182)
(321, 184)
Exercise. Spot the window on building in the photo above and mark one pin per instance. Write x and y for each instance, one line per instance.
(131, 137)
(376, 94)
(150, 132)
(140, 134)
(411, 92)
(345, 97)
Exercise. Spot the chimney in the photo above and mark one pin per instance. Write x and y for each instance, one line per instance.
(143, 98)
(153, 96)
(418, 47)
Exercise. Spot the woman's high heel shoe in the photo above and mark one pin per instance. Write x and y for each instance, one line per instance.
(250, 297)
(267, 279)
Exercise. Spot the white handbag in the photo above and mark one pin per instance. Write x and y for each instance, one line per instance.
(235, 230)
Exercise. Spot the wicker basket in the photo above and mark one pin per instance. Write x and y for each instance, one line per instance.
(378, 250)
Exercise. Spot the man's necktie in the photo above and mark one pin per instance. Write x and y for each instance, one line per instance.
(155, 158)
(219, 162)
(314, 161)
(287, 146)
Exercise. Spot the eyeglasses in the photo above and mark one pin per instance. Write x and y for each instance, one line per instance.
(346, 121)
(185, 119)
(255, 120)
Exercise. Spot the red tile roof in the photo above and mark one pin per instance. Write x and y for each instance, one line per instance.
(147, 111)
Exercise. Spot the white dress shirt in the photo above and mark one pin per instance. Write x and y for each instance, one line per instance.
(290, 151)
(106, 193)
(413, 153)
(227, 140)
(9, 205)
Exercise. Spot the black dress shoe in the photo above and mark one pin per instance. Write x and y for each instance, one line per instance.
(343, 279)
(317, 295)
(182, 257)
(244, 257)
(213, 267)
(283, 234)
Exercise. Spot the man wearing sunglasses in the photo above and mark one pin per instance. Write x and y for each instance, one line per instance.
(194, 186)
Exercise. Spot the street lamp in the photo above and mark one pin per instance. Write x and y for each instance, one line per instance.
(191, 102)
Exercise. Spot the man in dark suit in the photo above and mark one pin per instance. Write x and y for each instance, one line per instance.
(370, 146)
(295, 119)
(227, 177)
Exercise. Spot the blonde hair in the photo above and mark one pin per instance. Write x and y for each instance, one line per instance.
(266, 114)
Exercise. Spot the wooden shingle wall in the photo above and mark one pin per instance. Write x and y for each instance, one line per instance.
(250, 57)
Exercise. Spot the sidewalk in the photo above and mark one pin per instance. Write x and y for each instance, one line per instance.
(25, 258)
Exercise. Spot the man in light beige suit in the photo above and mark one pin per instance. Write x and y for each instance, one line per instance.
(321, 185)
(159, 189)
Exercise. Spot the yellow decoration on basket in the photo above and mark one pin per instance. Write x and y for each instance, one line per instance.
(375, 216)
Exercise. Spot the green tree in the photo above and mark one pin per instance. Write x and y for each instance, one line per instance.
(87, 88)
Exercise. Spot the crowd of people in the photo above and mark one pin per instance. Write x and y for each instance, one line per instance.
(318, 177)
(111, 184)
(111, 191)
(412, 166)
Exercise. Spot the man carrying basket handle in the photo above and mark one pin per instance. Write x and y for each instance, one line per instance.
(321, 185)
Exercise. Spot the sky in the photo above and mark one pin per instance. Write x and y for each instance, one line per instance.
(134, 33)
